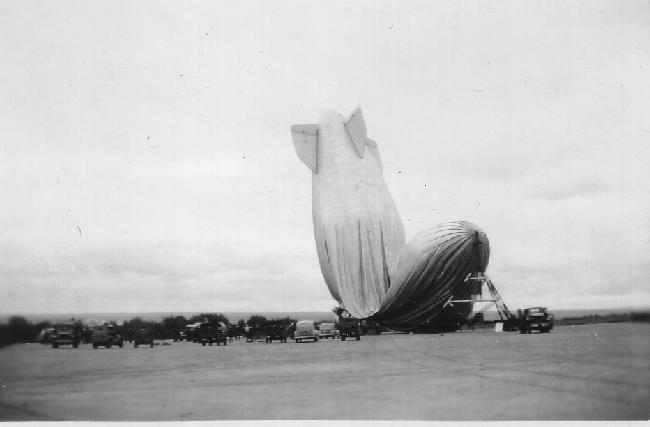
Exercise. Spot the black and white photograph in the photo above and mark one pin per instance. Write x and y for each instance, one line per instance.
(337, 212)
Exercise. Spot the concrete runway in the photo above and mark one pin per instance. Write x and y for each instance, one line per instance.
(589, 372)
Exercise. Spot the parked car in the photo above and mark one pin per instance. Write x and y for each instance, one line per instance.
(65, 334)
(327, 330)
(106, 336)
(535, 318)
(306, 330)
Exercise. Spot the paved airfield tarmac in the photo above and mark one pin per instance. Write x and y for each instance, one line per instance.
(597, 372)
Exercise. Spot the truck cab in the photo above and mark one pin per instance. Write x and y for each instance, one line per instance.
(276, 332)
(65, 334)
(210, 333)
(535, 318)
(106, 336)
(142, 336)
(349, 326)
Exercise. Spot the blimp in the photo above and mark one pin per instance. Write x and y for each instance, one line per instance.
(366, 263)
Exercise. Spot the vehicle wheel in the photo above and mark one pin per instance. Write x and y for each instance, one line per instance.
(151, 344)
(203, 344)
(55, 345)
(75, 345)
(342, 337)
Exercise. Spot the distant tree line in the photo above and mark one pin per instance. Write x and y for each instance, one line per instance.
(20, 330)
(634, 316)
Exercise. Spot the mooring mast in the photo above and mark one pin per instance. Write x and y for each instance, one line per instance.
(476, 282)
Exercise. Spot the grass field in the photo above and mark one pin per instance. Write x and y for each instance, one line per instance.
(590, 372)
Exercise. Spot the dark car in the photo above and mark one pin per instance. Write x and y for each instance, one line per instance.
(535, 318)
(142, 336)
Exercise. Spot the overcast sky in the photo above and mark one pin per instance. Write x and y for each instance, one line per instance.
(146, 162)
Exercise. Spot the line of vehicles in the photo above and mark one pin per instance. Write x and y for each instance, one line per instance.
(204, 333)
(301, 331)
(208, 333)
(274, 330)
(105, 335)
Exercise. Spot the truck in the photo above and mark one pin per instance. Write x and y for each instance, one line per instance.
(213, 332)
(106, 336)
(254, 333)
(349, 327)
(190, 332)
(142, 336)
(276, 332)
(535, 318)
(65, 334)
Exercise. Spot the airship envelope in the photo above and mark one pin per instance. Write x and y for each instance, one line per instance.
(366, 263)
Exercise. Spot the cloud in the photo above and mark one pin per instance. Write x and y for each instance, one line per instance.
(567, 181)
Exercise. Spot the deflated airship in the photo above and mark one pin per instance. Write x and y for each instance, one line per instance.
(367, 265)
